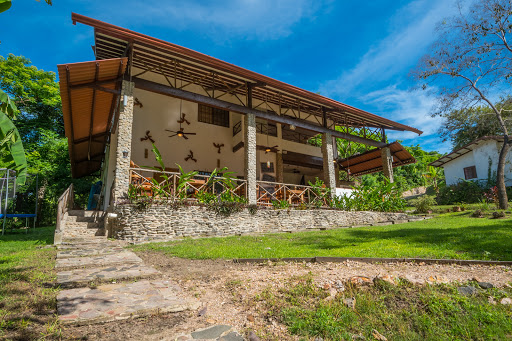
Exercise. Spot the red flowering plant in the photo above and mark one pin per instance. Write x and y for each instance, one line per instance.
(492, 195)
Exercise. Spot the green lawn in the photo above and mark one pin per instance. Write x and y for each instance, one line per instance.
(27, 294)
(402, 312)
(453, 235)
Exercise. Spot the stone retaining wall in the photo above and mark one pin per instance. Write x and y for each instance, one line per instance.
(167, 223)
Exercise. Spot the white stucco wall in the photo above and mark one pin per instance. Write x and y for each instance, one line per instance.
(478, 157)
(161, 112)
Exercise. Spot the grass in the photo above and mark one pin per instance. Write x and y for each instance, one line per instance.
(450, 236)
(402, 312)
(27, 294)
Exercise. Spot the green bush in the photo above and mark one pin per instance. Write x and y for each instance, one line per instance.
(423, 204)
(468, 192)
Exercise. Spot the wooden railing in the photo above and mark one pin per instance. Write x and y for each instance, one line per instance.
(295, 195)
(165, 185)
(66, 201)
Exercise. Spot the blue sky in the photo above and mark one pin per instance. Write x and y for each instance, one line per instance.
(357, 52)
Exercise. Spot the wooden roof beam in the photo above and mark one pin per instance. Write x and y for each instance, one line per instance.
(193, 97)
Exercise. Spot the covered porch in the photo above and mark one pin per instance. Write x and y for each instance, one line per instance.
(204, 114)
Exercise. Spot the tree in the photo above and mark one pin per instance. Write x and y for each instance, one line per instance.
(462, 126)
(6, 4)
(40, 124)
(470, 64)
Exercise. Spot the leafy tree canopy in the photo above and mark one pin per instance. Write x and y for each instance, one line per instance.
(465, 125)
(36, 94)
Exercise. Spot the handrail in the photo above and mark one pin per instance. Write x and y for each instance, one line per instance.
(148, 182)
(66, 201)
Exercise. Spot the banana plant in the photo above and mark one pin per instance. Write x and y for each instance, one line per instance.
(12, 153)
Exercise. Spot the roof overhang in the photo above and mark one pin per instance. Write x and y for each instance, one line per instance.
(89, 93)
(371, 161)
(464, 150)
(172, 60)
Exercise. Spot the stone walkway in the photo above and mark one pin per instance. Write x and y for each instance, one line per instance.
(93, 266)
(104, 282)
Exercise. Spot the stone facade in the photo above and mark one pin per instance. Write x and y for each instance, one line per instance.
(124, 141)
(161, 222)
(250, 156)
(387, 163)
(328, 160)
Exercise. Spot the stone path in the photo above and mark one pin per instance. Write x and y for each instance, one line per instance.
(93, 259)
(214, 333)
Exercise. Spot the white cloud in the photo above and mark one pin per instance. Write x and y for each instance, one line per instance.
(411, 33)
(223, 20)
(412, 108)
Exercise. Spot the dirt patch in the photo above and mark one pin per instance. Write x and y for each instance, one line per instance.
(229, 291)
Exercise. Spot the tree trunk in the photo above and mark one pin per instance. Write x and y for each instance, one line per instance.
(500, 181)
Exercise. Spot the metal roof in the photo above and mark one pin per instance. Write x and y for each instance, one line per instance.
(88, 109)
(371, 161)
(172, 60)
(463, 150)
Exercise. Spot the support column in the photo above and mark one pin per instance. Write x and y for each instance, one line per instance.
(328, 166)
(250, 157)
(279, 154)
(124, 142)
(279, 167)
(387, 163)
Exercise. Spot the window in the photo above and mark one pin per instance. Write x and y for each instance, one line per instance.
(470, 172)
(213, 115)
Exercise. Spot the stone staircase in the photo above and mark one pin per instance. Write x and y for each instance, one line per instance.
(103, 281)
(82, 224)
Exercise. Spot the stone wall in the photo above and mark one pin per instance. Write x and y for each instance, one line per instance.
(167, 223)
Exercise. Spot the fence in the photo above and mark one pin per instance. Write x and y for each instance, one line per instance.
(172, 186)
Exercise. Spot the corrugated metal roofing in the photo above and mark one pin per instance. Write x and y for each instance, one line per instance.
(463, 150)
(88, 110)
(155, 54)
(371, 161)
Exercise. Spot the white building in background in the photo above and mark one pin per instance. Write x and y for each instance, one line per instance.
(475, 161)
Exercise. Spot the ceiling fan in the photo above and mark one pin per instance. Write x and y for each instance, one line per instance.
(271, 149)
(181, 132)
(267, 148)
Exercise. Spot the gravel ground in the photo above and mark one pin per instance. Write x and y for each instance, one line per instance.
(227, 289)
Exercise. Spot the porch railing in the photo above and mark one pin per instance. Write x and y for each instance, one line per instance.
(169, 186)
(294, 195)
(164, 185)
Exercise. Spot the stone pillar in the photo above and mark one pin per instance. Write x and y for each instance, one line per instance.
(250, 157)
(124, 142)
(387, 163)
(328, 166)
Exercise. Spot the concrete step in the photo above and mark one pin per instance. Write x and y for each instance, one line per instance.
(112, 302)
(82, 213)
(80, 219)
(83, 240)
(121, 258)
(84, 233)
(82, 225)
(81, 277)
(90, 251)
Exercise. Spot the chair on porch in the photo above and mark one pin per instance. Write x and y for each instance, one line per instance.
(143, 184)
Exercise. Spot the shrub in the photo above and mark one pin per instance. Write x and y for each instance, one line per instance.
(498, 214)
(423, 204)
(468, 192)
(478, 213)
